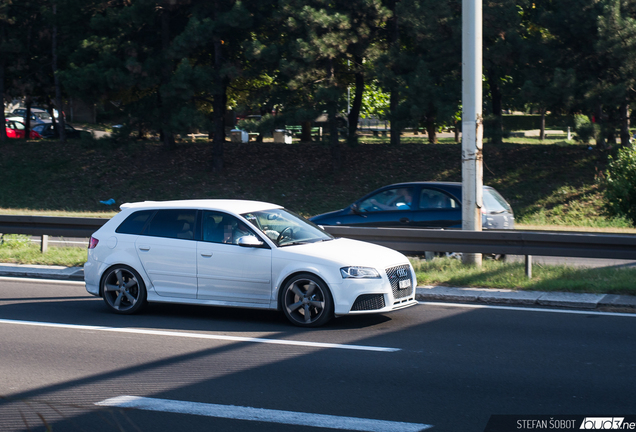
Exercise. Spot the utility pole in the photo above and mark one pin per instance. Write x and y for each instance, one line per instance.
(472, 121)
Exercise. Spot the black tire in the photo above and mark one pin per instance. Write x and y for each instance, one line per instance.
(123, 290)
(306, 301)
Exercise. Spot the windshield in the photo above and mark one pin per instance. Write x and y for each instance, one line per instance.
(494, 202)
(286, 228)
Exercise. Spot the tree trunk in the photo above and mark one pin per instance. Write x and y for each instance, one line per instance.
(598, 128)
(334, 143)
(430, 125)
(218, 107)
(456, 130)
(625, 138)
(305, 131)
(166, 70)
(394, 46)
(56, 81)
(354, 114)
(3, 130)
(496, 104)
(332, 112)
(542, 125)
(27, 118)
(395, 128)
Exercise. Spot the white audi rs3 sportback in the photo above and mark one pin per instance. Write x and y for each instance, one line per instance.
(241, 254)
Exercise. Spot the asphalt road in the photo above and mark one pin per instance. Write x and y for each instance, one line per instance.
(66, 362)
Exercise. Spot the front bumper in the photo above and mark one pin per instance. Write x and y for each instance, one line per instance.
(363, 296)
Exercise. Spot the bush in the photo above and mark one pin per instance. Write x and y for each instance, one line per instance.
(585, 129)
(620, 183)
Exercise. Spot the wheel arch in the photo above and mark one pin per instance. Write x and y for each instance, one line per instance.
(279, 294)
(109, 266)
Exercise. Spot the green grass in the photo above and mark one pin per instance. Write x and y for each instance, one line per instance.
(19, 249)
(497, 274)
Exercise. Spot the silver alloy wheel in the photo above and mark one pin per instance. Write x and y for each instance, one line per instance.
(307, 302)
(123, 290)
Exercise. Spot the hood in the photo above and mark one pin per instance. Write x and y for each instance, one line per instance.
(347, 252)
(316, 219)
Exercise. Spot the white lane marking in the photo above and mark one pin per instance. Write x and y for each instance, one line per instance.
(529, 309)
(202, 336)
(46, 281)
(262, 415)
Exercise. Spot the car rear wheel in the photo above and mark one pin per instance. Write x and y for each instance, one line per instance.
(123, 290)
(306, 301)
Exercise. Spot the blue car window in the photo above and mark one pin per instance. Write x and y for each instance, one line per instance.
(400, 199)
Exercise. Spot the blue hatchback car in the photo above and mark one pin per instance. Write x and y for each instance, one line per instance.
(419, 205)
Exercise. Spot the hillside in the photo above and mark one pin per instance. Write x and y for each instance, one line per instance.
(540, 181)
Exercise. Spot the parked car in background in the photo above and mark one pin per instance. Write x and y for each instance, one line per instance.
(245, 254)
(16, 129)
(38, 116)
(419, 205)
(46, 130)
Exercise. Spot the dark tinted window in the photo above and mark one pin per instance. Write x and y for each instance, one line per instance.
(135, 222)
(223, 228)
(173, 224)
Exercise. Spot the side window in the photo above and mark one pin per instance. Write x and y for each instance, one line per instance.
(178, 224)
(135, 222)
(389, 199)
(219, 227)
(434, 199)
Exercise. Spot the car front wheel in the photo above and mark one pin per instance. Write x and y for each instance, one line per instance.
(123, 290)
(306, 301)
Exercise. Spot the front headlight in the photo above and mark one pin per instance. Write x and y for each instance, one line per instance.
(359, 273)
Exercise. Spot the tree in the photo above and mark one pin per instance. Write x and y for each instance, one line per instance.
(431, 63)
(502, 46)
(617, 44)
(7, 24)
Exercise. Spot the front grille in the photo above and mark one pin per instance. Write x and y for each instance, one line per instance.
(368, 302)
(396, 274)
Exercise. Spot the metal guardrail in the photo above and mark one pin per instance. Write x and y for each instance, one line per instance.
(410, 241)
(50, 225)
(513, 242)
(45, 226)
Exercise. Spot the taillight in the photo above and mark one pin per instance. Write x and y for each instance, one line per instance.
(92, 243)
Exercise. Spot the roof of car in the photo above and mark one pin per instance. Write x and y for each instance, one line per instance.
(429, 183)
(229, 205)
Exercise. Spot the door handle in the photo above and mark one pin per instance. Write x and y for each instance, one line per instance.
(405, 220)
(206, 254)
(144, 248)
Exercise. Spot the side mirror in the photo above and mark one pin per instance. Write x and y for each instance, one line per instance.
(249, 241)
(355, 209)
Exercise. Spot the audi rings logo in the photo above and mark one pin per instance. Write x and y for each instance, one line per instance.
(402, 273)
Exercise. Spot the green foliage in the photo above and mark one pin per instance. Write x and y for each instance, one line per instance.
(620, 183)
(14, 241)
(375, 102)
(584, 128)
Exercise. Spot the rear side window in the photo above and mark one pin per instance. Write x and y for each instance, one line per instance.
(178, 223)
(434, 199)
(135, 223)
